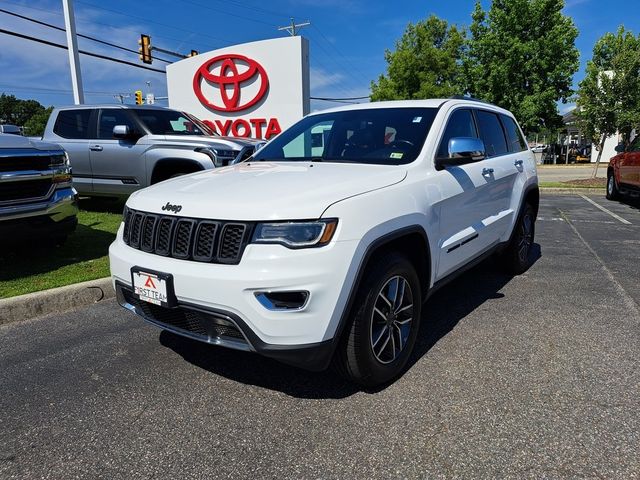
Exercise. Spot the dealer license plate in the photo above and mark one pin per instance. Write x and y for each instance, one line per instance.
(151, 287)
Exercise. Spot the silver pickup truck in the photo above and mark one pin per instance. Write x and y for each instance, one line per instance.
(37, 200)
(117, 149)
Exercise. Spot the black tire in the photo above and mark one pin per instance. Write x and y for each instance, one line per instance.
(359, 358)
(612, 187)
(518, 255)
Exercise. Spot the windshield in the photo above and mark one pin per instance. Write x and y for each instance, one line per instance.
(172, 122)
(387, 136)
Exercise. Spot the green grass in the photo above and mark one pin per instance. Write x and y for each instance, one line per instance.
(35, 267)
(568, 185)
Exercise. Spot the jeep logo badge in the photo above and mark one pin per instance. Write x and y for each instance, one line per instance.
(172, 208)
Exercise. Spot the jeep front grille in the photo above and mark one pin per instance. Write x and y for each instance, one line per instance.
(195, 239)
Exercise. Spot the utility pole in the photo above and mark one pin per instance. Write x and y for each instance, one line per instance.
(72, 46)
(294, 27)
(122, 96)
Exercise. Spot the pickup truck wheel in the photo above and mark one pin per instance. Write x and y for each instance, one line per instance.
(517, 256)
(384, 324)
(612, 188)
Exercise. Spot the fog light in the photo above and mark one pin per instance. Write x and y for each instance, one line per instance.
(278, 301)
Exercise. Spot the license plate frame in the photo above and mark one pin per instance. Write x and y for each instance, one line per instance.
(153, 287)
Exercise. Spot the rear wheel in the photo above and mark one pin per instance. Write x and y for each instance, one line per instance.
(612, 187)
(517, 257)
(384, 323)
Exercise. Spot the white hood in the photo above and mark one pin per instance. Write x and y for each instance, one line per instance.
(265, 190)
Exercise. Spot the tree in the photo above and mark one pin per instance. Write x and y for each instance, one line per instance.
(425, 64)
(609, 95)
(16, 111)
(34, 127)
(521, 55)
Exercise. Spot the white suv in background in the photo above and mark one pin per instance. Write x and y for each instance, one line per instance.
(324, 245)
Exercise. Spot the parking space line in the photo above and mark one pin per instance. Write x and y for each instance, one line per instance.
(628, 299)
(605, 210)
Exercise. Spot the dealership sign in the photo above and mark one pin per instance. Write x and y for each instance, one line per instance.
(250, 90)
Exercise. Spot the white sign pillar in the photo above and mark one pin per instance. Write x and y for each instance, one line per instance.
(72, 46)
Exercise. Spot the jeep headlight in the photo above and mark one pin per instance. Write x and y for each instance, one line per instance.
(296, 234)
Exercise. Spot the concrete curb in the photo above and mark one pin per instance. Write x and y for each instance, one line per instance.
(55, 300)
(568, 191)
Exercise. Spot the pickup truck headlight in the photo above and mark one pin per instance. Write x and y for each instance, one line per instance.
(62, 169)
(220, 157)
(296, 234)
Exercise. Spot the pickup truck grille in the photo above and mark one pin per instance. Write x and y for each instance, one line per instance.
(211, 241)
(25, 190)
(19, 162)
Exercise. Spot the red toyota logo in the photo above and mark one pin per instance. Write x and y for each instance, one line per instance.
(230, 81)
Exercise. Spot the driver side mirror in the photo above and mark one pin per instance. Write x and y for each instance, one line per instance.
(621, 148)
(123, 132)
(463, 150)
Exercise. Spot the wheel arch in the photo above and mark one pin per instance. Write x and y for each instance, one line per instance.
(163, 168)
(411, 240)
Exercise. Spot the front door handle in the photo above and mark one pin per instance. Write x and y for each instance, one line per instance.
(487, 171)
(518, 163)
(95, 148)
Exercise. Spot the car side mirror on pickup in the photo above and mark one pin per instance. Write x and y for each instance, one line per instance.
(462, 150)
(123, 132)
(621, 148)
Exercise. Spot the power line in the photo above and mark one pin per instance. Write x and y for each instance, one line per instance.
(42, 90)
(253, 9)
(55, 27)
(145, 19)
(115, 27)
(363, 76)
(328, 99)
(227, 13)
(90, 54)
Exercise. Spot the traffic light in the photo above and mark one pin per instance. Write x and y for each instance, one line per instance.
(193, 53)
(145, 48)
(138, 94)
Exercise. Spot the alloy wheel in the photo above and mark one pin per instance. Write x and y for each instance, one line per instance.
(391, 319)
(525, 239)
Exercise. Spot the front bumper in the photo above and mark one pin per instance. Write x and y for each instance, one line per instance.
(211, 294)
(57, 216)
(222, 328)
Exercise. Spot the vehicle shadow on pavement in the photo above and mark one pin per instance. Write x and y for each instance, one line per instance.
(37, 256)
(440, 315)
(631, 202)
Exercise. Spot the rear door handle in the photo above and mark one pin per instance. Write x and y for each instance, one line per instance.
(95, 148)
(518, 163)
(487, 171)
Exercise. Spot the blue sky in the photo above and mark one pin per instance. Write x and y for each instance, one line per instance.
(347, 38)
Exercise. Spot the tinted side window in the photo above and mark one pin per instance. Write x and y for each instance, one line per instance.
(109, 119)
(635, 145)
(491, 133)
(460, 124)
(73, 124)
(516, 141)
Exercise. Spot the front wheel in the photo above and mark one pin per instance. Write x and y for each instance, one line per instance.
(517, 257)
(384, 323)
(612, 187)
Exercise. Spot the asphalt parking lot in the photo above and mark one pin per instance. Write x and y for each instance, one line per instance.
(536, 376)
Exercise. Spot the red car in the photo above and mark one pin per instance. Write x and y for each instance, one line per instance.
(623, 174)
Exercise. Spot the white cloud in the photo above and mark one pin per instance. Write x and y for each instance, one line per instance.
(321, 78)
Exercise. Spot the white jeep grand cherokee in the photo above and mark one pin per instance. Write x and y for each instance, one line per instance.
(323, 246)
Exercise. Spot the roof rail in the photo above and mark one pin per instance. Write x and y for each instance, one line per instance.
(471, 99)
